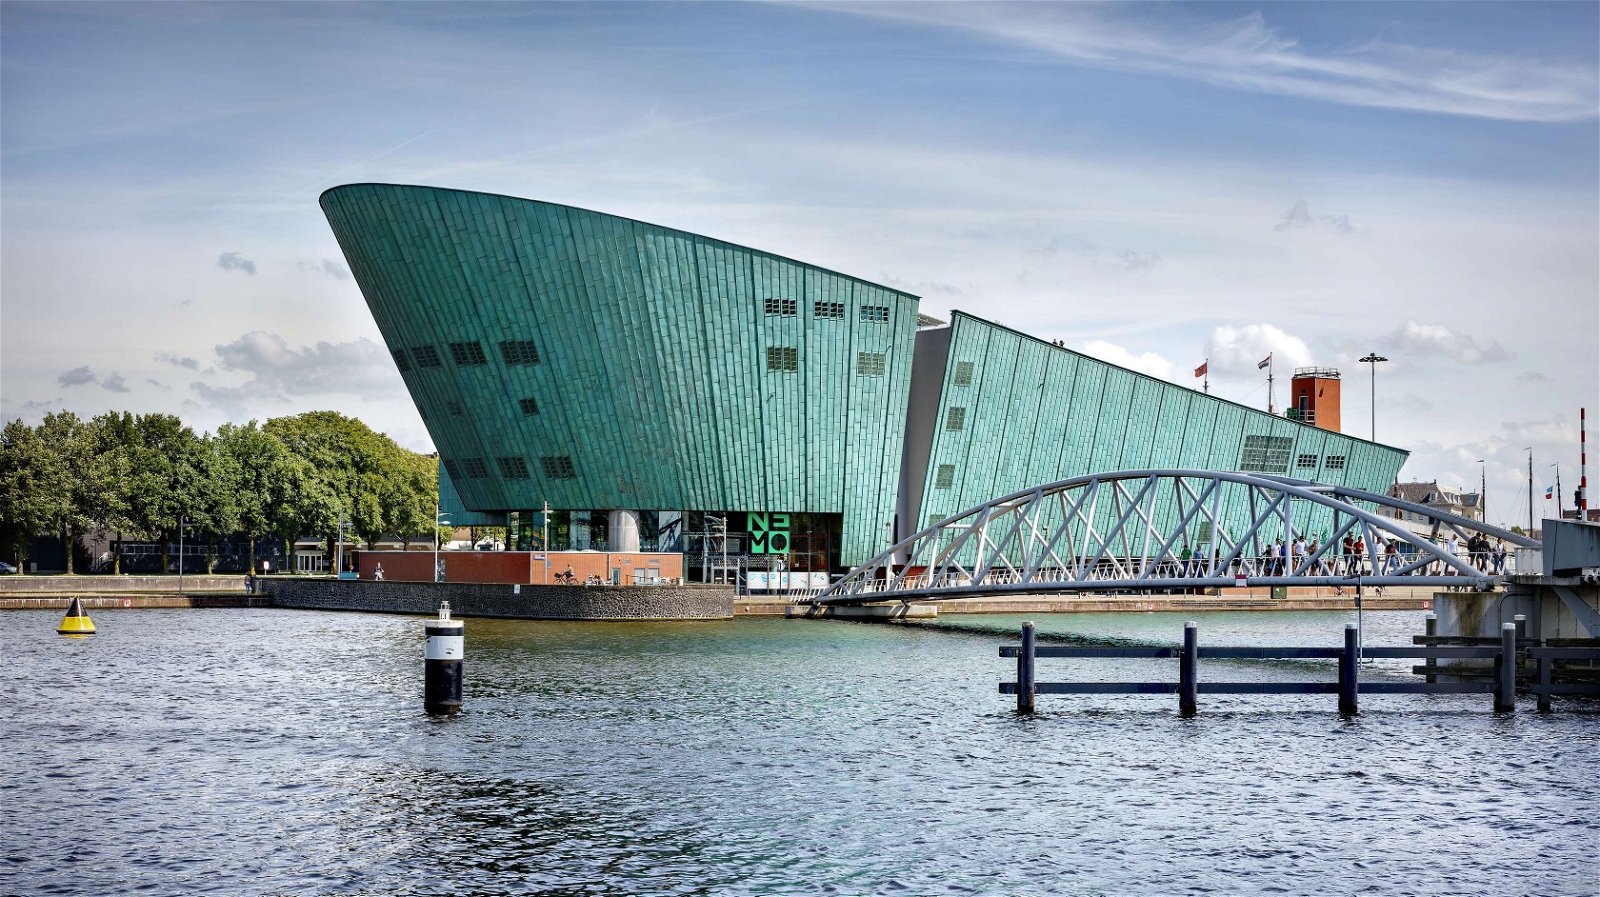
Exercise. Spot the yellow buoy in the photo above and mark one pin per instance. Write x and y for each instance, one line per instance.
(76, 622)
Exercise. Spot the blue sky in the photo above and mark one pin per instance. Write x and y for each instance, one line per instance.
(1152, 183)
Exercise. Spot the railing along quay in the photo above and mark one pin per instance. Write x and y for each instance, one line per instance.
(1502, 682)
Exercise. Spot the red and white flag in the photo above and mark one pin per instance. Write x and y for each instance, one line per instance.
(1201, 370)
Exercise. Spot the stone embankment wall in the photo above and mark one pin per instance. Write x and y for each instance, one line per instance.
(117, 585)
(533, 602)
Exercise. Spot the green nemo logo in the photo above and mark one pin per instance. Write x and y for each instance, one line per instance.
(769, 533)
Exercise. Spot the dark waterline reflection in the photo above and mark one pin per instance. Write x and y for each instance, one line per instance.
(280, 752)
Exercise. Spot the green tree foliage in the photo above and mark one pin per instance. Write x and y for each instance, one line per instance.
(32, 493)
(144, 475)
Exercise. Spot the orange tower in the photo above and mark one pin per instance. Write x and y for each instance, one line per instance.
(1314, 398)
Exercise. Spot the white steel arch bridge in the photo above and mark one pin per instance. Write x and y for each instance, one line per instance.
(1168, 528)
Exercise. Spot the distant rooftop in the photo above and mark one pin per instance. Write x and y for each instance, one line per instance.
(929, 321)
(1324, 373)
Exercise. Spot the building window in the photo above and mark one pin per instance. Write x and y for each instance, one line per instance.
(869, 364)
(468, 354)
(1336, 462)
(945, 476)
(875, 314)
(963, 373)
(529, 407)
(1306, 461)
(785, 307)
(401, 360)
(955, 419)
(519, 351)
(454, 408)
(830, 310)
(783, 358)
(476, 469)
(452, 468)
(1266, 454)
(513, 468)
(557, 467)
(427, 356)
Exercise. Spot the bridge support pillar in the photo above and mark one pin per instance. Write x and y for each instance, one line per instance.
(1025, 668)
(1189, 671)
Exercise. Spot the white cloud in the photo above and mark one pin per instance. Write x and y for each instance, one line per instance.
(279, 372)
(1437, 340)
(1248, 54)
(78, 376)
(1299, 217)
(1146, 363)
(1239, 349)
(232, 261)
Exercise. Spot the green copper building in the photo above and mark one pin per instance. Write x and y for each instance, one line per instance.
(662, 390)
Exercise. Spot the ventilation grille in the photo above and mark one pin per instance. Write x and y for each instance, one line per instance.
(955, 419)
(519, 351)
(963, 373)
(452, 468)
(529, 406)
(401, 360)
(783, 358)
(1265, 454)
(1336, 462)
(476, 469)
(786, 307)
(468, 354)
(557, 467)
(426, 356)
(830, 310)
(513, 468)
(869, 364)
(454, 408)
(945, 476)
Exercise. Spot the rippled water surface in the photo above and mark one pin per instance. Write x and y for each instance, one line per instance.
(285, 752)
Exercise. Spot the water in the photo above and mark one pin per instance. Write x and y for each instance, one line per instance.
(284, 752)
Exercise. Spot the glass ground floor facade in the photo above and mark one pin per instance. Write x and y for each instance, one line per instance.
(718, 546)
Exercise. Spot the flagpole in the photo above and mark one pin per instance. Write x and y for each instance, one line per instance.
(1206, 384)
(1269, 384)
(1557, 466)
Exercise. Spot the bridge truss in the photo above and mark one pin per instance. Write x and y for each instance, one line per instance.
(1137, 530)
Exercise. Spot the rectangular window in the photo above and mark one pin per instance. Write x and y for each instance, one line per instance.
(529, 407)
(468, 354)
(1306, 461)
(869, 364)
(945, 476)
(427, 356)
(1336, 462)
(786, 307)
(1266, 454)
(955, 419)
(452, 468)
(454, 408)
(783, 358)
(557, 467)
(476, 469)
(401, 360)
(963, 373)
(513, 468)
(875, 314)
(519, 351)
(833, 310)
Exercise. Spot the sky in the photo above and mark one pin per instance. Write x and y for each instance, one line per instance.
(1153, 184)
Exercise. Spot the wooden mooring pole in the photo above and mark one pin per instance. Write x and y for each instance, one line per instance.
(1505, 696)
(1349, 667)
(1431, 628)
(1025, 665)
(1189, 671)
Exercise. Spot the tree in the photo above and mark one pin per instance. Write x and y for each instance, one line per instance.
(257, 469)
(172, 475)
(69, 444)
(33, 492)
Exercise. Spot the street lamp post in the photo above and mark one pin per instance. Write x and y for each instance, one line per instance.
(438, 520)
(338, 549)
(183, 524)
(1483, 492)
(1373, 358)
(544, 539)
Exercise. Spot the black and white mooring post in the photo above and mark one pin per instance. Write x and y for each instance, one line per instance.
(441, 691)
